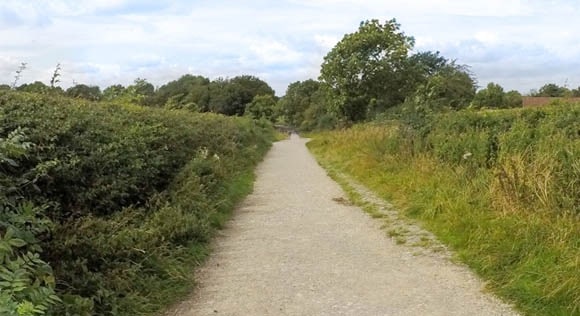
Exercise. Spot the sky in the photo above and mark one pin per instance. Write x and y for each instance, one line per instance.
(518, 44)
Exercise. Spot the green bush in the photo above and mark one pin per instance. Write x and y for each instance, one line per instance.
(26, 281)
(132, 193)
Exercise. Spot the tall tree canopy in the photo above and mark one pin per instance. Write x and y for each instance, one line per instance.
(493, 96)
(83, 91)
(368, 67)
(231, 96)
(298, 98)
(552, 90)
(451, 87)
(189, 91)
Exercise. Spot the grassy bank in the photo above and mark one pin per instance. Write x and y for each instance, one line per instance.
(115, 203)
(499, 187)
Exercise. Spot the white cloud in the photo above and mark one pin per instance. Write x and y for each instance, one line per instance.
(272, 52)
(114, 41)
(486, 37)
(326, 42)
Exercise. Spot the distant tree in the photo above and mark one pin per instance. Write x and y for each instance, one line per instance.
(422, 66)
(247, 87)
(223, 98)
(576, 92)
(35, 87)
(188, 91)
(513, 99)
(552, 90)
(114, 92)
(4, 87)
(83, 91)
(451, 87)
(143, 87)
(368, 66)
(299, 96)
(262, 106)
(493, 96)
(231, 96)
(321, 113)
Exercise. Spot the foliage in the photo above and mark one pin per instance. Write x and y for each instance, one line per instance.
(499, 187)
(513, 99)
(189, 92)
(231, 96)
(320, 115)
(35, 87)
(84, 91)
(299, 97)
(262, 107)
(368, 66)
(114, 92)
(133, 194)
(552, 90)
(449, 87)
(493, 96)
(426, 64)
(26, 281)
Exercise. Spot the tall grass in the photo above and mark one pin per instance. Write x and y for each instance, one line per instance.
(502, 188)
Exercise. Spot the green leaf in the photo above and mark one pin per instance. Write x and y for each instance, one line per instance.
(9, 233)
(16, 242)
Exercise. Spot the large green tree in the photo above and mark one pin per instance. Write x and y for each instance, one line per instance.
(35, 87)
(262, 107)
(451, 87)
(189, 91)
(367, 69)
(299, 96)
(491, 96)
(114, 92)
(231, 96)
(552, 90)
(422, 65)
(83, 91)
(513, 99)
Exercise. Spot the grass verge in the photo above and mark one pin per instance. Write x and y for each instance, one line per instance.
(527, 256)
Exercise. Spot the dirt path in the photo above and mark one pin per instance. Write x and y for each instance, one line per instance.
(294, 248)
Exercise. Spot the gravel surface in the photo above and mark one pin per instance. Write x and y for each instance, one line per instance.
(295, 248)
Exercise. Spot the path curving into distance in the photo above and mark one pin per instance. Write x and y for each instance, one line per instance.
(293, 249)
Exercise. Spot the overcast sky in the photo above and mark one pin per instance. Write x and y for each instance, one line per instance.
(516, 43)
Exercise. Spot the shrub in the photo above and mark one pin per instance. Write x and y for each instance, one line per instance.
(131, 193)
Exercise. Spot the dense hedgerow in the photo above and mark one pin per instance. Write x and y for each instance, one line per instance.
(499, 187)
(120, 199)
(533, 153)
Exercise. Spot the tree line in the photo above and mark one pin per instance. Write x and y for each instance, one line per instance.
(368, 73)
(229, 96)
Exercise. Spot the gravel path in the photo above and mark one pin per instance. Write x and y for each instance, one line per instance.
(296, 248)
